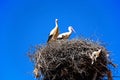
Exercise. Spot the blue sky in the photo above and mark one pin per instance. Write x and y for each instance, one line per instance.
(25, 23)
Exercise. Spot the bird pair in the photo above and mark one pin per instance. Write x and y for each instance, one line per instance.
(54, 34)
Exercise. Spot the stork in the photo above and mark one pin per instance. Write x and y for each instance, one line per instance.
(66, 35)
(95, 55)
(54, 32)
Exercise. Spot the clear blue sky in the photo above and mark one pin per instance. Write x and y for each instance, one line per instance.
(25, 23)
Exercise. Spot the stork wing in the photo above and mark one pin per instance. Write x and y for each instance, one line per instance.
(50, 36)
(60, 37)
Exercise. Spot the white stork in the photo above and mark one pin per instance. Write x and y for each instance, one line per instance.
(54, 32)
(95, 55)
(66, 35)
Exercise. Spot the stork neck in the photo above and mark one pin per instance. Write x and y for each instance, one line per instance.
(70, 30)
(56, 23)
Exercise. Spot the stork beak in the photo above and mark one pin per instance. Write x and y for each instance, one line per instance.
(73, 30)
(99, 50)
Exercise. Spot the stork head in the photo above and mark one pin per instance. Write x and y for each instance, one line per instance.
(70, 28)
(56, 20)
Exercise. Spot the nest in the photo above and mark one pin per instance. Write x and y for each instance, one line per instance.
(70, 60)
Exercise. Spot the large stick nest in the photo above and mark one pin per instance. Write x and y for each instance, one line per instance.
(70, 60)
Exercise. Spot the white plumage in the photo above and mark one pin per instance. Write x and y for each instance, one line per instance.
(54, 32)
(95, 55)
(66, 35)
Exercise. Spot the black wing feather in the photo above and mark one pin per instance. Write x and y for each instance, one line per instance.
(50, 36)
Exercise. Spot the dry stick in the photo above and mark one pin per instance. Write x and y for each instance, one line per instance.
(95, 75)
(109, 74)
(97, 70)
(114, 65)
(103, 65)
(41, 57)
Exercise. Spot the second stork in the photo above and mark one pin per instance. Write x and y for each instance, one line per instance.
(66, 35)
